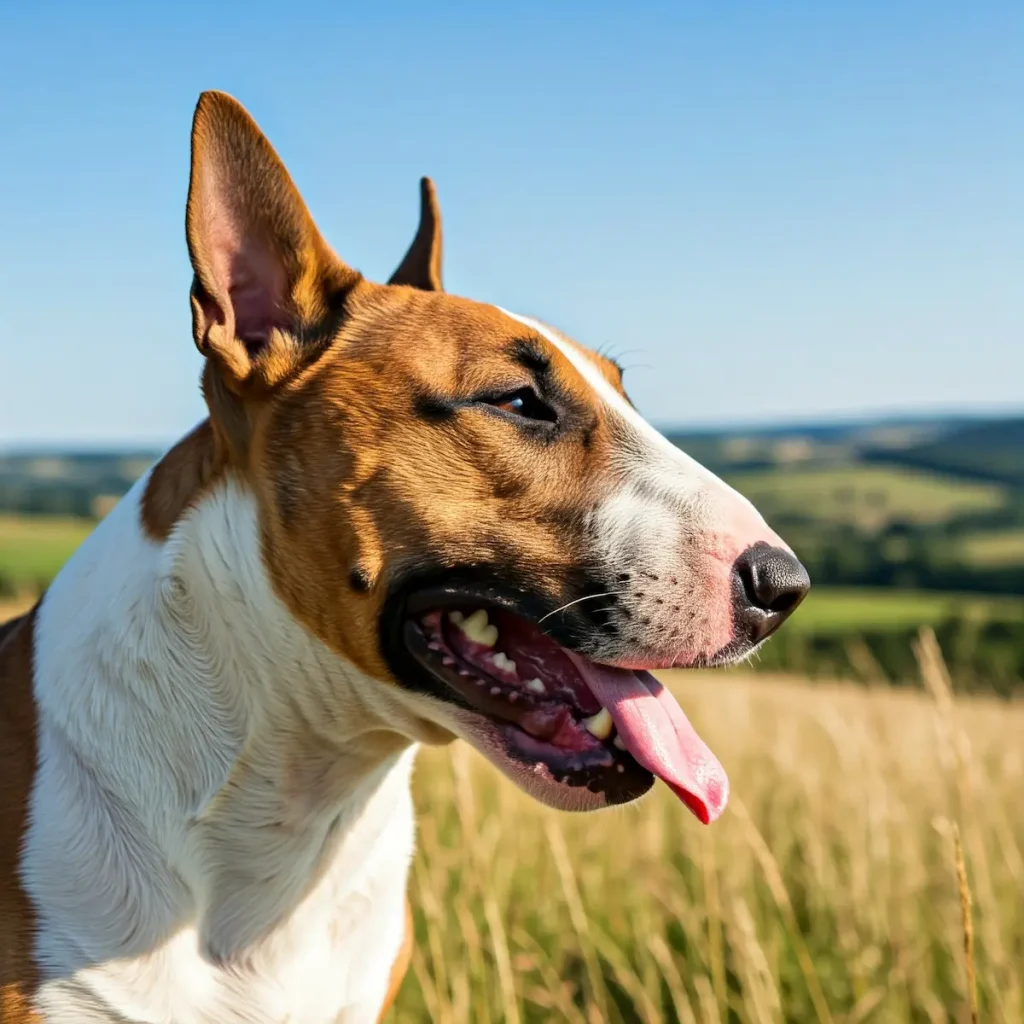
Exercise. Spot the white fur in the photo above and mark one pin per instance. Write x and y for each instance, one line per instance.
(668, 522)
(218, 832)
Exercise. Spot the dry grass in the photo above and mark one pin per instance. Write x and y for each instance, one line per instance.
(11, 607)
(831, 891)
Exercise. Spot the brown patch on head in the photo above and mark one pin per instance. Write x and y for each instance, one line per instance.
(18, 973)
(395, 452)
(383, 429)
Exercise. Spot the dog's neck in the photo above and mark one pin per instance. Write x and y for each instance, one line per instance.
(214, 758)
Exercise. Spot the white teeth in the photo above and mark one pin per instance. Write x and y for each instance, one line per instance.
(495, 690)
(447, 661)
(476, 627)
(620, 768)
(536, 686)
(503, 662)
(617, 742)
(600, 725)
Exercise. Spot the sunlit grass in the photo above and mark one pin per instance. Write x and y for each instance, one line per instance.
(828, 892)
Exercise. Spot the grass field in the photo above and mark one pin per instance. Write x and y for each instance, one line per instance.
(865, 496)
(846, 610)
(33, 548)
(827, 893)
(999, 548)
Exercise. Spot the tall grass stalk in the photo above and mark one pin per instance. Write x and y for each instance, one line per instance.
(870, 869)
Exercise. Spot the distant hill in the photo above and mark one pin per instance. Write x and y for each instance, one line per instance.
(67, 483)
(992, 449)
(980, 451)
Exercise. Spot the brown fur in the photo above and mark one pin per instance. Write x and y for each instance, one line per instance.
(18, 978)
(421, 267)
(180, 479)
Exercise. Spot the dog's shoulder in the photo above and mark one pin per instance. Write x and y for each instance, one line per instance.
(17, 768)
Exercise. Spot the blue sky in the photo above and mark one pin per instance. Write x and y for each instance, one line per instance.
(770, 211)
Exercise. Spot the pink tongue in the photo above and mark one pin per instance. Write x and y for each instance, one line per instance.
(657, 733)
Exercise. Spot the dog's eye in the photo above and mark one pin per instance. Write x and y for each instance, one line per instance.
(525, 403)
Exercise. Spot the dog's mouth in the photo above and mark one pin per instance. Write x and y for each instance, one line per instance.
(571, 731)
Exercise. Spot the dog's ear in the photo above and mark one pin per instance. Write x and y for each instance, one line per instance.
(267, 287)
(421, 266)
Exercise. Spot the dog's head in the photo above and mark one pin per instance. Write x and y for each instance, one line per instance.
(462, 502)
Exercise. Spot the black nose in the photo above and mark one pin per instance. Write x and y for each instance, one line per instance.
(768, 583)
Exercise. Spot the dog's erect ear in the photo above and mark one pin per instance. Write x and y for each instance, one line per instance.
(421, 266)
(267, 286)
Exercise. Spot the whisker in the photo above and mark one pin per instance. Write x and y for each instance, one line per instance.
(569, 604)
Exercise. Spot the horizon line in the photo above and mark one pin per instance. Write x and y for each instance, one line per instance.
(144, 445)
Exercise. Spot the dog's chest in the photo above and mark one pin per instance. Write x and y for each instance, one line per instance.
(330, 962)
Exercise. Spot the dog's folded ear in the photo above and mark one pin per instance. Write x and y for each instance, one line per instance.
(421, 266)
(267, 287)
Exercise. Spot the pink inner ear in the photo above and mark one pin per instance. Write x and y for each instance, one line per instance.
(245, 267)
(257, 291)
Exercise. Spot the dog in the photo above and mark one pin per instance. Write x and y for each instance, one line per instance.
(408, 518)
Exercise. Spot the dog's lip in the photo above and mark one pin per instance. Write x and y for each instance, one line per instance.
(649, 721)
(458, 594)
(559, 775)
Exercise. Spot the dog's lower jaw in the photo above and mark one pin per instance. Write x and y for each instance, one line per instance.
(207, 842)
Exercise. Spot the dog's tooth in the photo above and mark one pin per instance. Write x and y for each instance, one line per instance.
(457, 617)
(617, 742)
(447, 661)
(620, 768)
(536, 686)
(504, 662)
(478, 629)
(599, 725)
(495, 690)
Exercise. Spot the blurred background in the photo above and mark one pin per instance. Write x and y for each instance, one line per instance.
(800, 227)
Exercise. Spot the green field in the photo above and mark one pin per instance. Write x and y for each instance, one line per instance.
(850, 610)
(1000, 547)
(33, 548)
(865, 496)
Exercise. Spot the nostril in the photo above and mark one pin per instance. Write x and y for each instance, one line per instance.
(773, 580)
(745, 572)
(785, 601)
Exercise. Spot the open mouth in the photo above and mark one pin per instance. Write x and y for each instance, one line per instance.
(573, 732)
